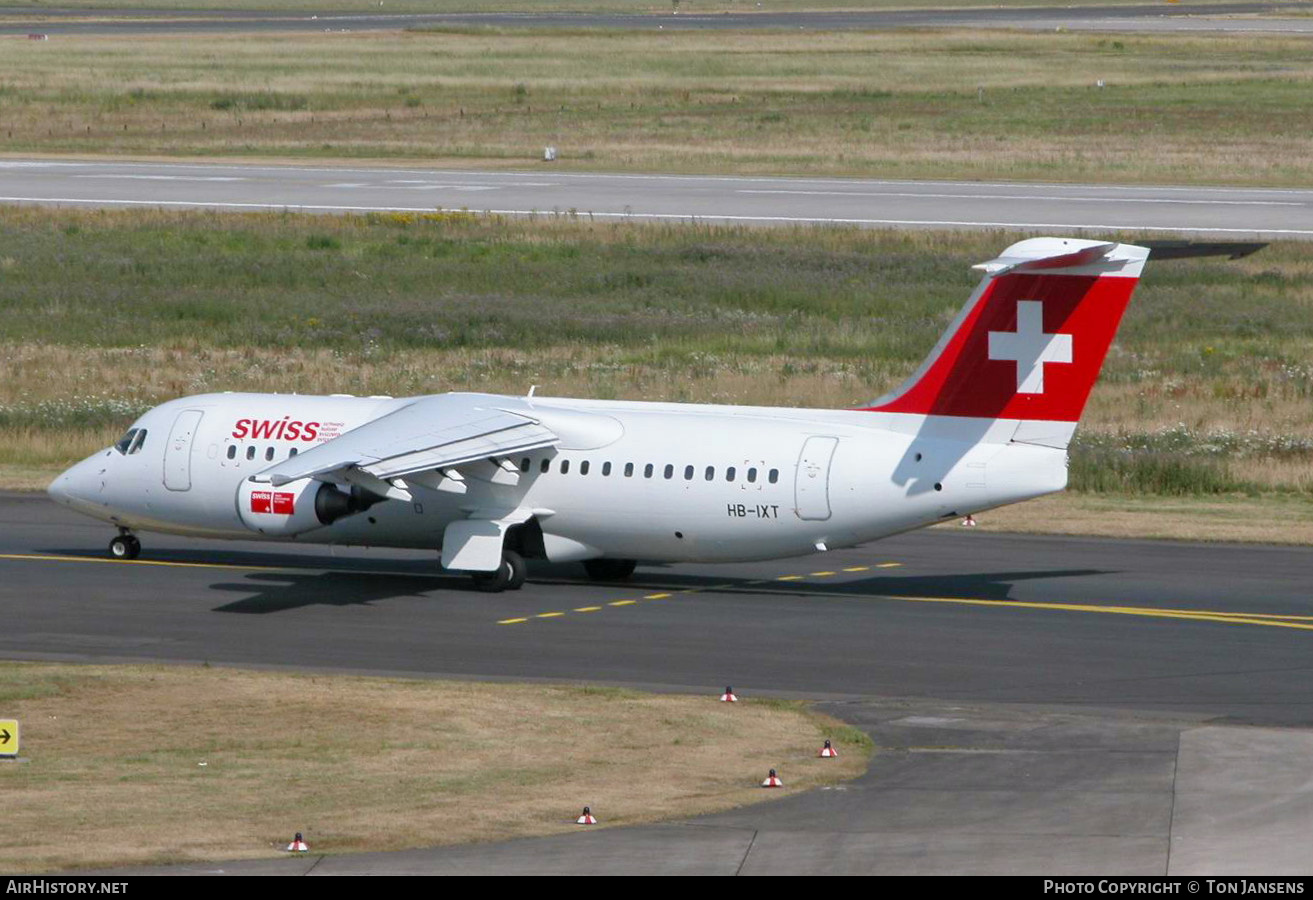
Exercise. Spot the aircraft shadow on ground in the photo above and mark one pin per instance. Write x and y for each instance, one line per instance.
(970, 585)
(283, 591)
(353, 581)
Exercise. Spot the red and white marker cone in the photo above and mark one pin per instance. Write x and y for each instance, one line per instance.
(828, 751)
(298, 845)
(969, 522)
(587, 818)
(772, 780)
(728, 696)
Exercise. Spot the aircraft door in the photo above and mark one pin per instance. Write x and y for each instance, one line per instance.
(177, 452)
(811, 486)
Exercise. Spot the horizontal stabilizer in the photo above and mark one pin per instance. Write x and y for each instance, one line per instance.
(1189, 249)
(1045, 253)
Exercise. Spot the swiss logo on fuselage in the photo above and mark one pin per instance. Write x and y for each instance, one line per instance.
(284, 429)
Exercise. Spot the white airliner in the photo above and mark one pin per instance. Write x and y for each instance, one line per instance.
(491, 480)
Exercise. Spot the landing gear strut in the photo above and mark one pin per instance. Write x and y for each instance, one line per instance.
(125, 546)
(509, 576)
(610, 569)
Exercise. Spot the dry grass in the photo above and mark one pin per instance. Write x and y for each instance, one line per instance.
(1177, 107)
(1269, 519)
(693, 7)
(116, 774)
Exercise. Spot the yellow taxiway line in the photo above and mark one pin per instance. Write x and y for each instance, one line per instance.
(146, 562)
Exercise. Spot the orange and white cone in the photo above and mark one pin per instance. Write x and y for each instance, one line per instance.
(298, 845)
(772, 780)
(828, 751)
(728, 696)
(587, 818)
(969, 522)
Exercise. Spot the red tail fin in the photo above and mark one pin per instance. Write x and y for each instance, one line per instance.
(1031, 340)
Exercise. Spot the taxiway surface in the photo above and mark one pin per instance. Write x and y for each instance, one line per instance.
(1248, 17)
(1039, 705)
(1190, 211)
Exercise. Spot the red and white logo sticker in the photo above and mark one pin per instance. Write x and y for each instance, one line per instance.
(276, 502)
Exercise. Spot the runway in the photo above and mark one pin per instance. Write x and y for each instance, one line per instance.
(1149, 17)
(1197, 211)
(1039, 705)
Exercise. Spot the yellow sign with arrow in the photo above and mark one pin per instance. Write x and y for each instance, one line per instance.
(8, 737)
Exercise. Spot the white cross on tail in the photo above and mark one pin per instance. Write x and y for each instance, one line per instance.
(1029, 347)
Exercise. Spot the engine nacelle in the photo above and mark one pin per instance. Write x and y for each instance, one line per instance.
(285, 510)
(298, 507)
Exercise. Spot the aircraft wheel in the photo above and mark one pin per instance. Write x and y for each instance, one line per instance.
(494, 582)
(125, 546)
(610, 569)
(519, 570)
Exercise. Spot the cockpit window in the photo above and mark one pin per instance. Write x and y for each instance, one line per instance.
(126, 441)
(137, 442)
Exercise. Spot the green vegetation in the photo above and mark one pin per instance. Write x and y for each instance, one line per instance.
(1207, 391)
(1218, 108)
(694, 7)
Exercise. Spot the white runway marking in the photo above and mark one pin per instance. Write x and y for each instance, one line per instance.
(684, 217)
(168, 177)
(1054, 198)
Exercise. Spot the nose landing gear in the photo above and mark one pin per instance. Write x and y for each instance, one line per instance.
(125, 546)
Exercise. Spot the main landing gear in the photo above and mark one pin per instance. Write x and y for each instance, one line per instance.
(610, 569)
(125, 546)
(509, 577)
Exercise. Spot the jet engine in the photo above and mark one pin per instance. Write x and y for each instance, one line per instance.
(298, 507)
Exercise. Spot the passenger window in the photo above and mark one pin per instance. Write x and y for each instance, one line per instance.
(583, 467)
(688, 473)
(629, 470)
(606, 468)
(711, 473)
(232, 451)
(126, 441)
(524, 464)
(729, 474)
(647, 471)
(774, 475)
(250, 452)
(269, 454)
(546, 466)
(565, 467)
(670, 471)
(140, 440)
(752, 476)
(292, 452)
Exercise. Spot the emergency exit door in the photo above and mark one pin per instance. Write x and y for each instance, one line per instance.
(811, 486)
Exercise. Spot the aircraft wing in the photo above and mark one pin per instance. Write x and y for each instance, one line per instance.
(433, 432)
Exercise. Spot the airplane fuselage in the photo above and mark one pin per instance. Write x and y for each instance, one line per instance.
(648, 481)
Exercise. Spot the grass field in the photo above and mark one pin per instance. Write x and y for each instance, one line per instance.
(1206, 393)
(151, 764)
(695, 7)
(993, 105)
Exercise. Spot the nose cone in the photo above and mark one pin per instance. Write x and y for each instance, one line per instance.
(80, 487)
(59, 489)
